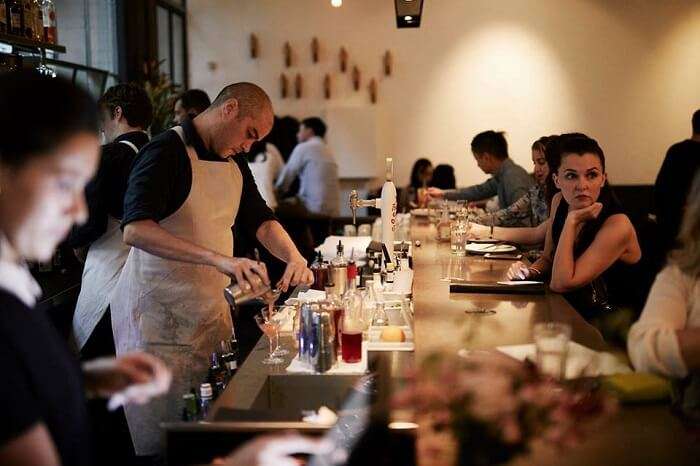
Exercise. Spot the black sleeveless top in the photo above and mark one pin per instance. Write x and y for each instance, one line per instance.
(615, 286)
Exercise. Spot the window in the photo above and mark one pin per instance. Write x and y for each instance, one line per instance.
(172, 40)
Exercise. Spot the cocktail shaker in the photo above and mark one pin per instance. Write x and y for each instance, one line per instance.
(236, 294)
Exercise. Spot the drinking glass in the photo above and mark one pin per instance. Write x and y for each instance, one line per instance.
(458, 238)
(278, 315)
(271, 330)
(364, 230)
(552, 344)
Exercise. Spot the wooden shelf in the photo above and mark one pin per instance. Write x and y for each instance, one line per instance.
(24, 42)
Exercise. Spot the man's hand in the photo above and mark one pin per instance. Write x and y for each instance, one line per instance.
(296, 273)
(246, 272)
(518, 271)
(436, 193)
(105, 377)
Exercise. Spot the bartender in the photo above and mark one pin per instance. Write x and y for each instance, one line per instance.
(185, 191)
(125, 113)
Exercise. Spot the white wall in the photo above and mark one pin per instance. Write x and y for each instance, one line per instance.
(626, 72)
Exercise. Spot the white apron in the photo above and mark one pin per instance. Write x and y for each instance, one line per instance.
(104, 262)
(175, 310)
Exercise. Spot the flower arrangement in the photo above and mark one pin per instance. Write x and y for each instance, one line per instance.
(494, 406)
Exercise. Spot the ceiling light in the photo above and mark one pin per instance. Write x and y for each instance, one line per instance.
(337, 3)
(408, 13)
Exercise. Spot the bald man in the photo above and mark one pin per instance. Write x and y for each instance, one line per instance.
(185, 192)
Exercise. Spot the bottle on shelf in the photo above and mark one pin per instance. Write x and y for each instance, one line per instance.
(206, 395)
(14, 17)
(38, 26)
(28, 19)
(3, 17)
(389, 279)
(49, 17)
(217, 374)
(339, 270)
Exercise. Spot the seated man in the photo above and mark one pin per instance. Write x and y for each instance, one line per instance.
(313, 164)
(509, 181)
(681, 164)
(190, 104)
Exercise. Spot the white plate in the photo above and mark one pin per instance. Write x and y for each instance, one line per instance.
(478, 248)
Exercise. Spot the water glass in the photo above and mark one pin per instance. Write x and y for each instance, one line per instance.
(364, 230)
(458, 238)
(552, 345)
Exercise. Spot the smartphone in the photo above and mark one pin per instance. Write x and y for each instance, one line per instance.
(503, 255)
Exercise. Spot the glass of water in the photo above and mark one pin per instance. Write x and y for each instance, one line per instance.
(552, 345)
(458, 237)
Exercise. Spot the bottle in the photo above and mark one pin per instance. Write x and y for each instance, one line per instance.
(217, 374)
(28, 19)
(189, 410)
(320, 271)
(205, 399)
(367, 272)
(339, 270)
(227, 358)
(14, 16)
(389, 280)
(235, 351)
(353, 277)
(334, 306)
(3, 17)
(38, 27)
(49, 17)
(443, 226)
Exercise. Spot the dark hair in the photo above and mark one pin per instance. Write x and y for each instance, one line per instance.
(28, 131)
(492, 142)
(134, 101)
(444, 177)
(568, 143)
(541, 144)
(696, 122)
(195, 100)
(283, 135)
(418, 166)
(316, 125)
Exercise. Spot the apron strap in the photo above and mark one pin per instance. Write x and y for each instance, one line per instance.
(130, 144)
(180, 132)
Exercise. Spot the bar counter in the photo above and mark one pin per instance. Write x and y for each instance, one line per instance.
(266, 398)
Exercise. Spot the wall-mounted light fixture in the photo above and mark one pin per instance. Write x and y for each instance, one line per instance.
(337, 3)
(408, 13)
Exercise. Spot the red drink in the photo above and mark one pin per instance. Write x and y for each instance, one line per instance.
(337, 319)
(352, 346)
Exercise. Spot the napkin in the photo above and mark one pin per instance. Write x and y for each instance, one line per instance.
(638, 386)
(359, 243)
(580, 362)
(311, 296)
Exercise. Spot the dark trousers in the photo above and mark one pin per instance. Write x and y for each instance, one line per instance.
(111, 439)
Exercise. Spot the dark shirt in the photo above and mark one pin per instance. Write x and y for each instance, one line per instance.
(616, 286)
(41, 382)
(161, 178)
(671, 189)
(104, 194)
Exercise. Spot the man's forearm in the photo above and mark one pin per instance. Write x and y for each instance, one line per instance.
(154, 239)
(274, 237)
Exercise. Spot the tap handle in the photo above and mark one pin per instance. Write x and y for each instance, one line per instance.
(353, 205)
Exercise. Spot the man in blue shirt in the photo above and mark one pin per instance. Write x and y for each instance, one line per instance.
(313, 164)
(509, 181)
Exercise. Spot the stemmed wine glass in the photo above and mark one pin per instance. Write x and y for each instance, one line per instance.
(271, 330)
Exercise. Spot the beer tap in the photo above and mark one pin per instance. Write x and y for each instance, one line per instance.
(386, 203)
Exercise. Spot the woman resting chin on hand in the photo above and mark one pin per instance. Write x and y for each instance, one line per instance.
(588, 237)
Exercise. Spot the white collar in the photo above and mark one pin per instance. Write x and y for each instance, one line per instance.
(15, 276)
